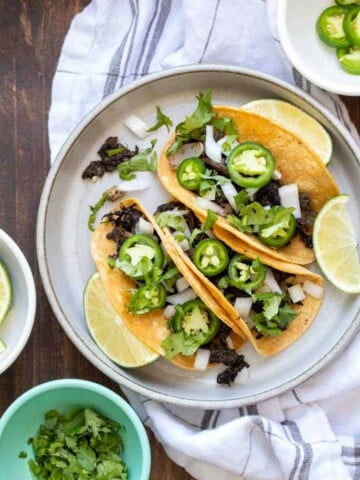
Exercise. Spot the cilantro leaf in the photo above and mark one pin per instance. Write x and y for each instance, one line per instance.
(161, 119)
(181, 343)
(211, 218)
(171, 220)
(144, 161)
(94, 210)
(142, 268)
(193, 127)
(276, 313)
(226, 125)
(241, 199)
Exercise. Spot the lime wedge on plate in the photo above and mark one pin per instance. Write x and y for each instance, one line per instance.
(3, 346)
(296, 121)
(109, 331)
(6, 292)
(335, 245)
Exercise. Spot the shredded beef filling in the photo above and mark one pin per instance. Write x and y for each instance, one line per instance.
(268, 195)
(219, 167)
(124, 222)
(108, 163)
(306, 222)
(231, 359)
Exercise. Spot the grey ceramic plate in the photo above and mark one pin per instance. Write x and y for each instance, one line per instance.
(63, 237)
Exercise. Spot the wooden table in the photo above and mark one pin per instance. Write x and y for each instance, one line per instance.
(31, 35)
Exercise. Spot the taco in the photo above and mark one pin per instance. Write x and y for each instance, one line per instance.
(264, 182)
(152, 296)
(271, 303)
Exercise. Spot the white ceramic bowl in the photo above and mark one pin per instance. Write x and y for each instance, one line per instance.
(16, 328)
(307, 53)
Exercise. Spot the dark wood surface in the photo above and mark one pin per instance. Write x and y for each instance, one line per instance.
(31, 35)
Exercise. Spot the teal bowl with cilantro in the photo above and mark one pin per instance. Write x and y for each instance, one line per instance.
(76, 427)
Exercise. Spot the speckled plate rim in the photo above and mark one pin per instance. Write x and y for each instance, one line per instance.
(43, 264)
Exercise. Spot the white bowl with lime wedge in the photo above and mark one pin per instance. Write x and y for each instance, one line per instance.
(17, 301)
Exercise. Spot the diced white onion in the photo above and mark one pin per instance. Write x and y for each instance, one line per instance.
(142, 181)
(289, 197)
(276, 175)
(212, 149)
(224, 140)
(201, 359)
(243, 306)
(313, 289)
(180, 298)
(177, 212)
(230, 191)
(229, 342)
(296, 293)
(208, 205)
(210, 194)
(144, 226)
(271, 282)
(188, 150)
(242, 377)
(251, 192)
(169, 311)
(184, 244)
(181, 284)
(137, 126)
(267, 207)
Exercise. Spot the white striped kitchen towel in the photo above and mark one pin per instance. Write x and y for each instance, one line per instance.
(313, 431)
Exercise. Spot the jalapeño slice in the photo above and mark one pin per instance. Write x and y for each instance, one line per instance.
(211, 257)
(250, 165)
(148, 298)
(278, 233)
(189, 173)
(245, 273)
(136, 248)
(352, 25)
(348, 2)
(349, 59)
(330, 27)
(196, 320)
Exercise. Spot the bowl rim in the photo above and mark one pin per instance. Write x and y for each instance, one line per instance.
(21, 260)
(294, 58)
(89, 386)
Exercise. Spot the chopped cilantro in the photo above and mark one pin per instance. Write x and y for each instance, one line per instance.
(181, 343)
(116, 151)
(81, 445)
(161, 119)
(211, 218)
(275, 316)
(193, 127)
(94, 210)
(22, 455)
(226, 125)
(171, 220)
(144, 161)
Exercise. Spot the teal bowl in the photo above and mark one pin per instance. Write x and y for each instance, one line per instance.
(25, 415)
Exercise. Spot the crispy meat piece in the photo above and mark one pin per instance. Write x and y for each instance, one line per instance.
(108, 163)
(268, 195)
(231, 359)
(306, 222)
(124, 222)
(219, 167)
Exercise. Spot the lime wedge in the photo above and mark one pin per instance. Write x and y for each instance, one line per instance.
(109, 331)
(3, 346)
(335, 245)
(296, 121)
(6, 292)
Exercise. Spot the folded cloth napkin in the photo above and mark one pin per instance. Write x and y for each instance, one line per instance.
(311, 431)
